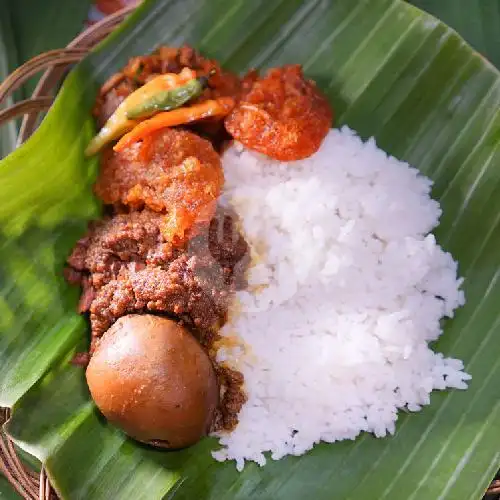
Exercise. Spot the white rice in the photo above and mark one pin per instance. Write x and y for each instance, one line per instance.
(347, 288)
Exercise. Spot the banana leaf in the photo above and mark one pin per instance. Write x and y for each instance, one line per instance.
(478, 21)
(391, 71)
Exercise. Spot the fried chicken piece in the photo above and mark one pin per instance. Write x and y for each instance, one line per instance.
(172, 171)
(282, 115)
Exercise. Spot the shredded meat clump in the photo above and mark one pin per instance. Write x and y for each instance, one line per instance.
(112, 242)
(233, 398)
(282, 115)
(192, 289)
(125, 265)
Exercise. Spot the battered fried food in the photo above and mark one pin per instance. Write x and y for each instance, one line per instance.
(172, 171)
(282, 115)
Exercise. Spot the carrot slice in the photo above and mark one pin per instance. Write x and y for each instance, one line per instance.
(212, 107)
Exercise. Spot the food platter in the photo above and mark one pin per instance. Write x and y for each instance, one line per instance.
(373, 88)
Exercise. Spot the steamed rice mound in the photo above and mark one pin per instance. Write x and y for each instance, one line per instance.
(346, 289)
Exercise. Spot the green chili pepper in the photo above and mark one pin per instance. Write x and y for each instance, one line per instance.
(142, 103)
(168, 99)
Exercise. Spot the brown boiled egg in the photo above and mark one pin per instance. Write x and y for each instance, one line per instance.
(150, 377)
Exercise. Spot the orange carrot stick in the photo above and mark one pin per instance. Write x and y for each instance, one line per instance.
(217, 107)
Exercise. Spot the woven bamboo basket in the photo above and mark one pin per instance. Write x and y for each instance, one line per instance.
(55, 64)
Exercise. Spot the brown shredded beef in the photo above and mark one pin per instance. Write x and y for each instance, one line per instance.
(121, 241)
(177, 291)
(232, 399)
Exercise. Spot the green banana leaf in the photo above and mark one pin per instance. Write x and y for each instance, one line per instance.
(391, 71)
(478, 21)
